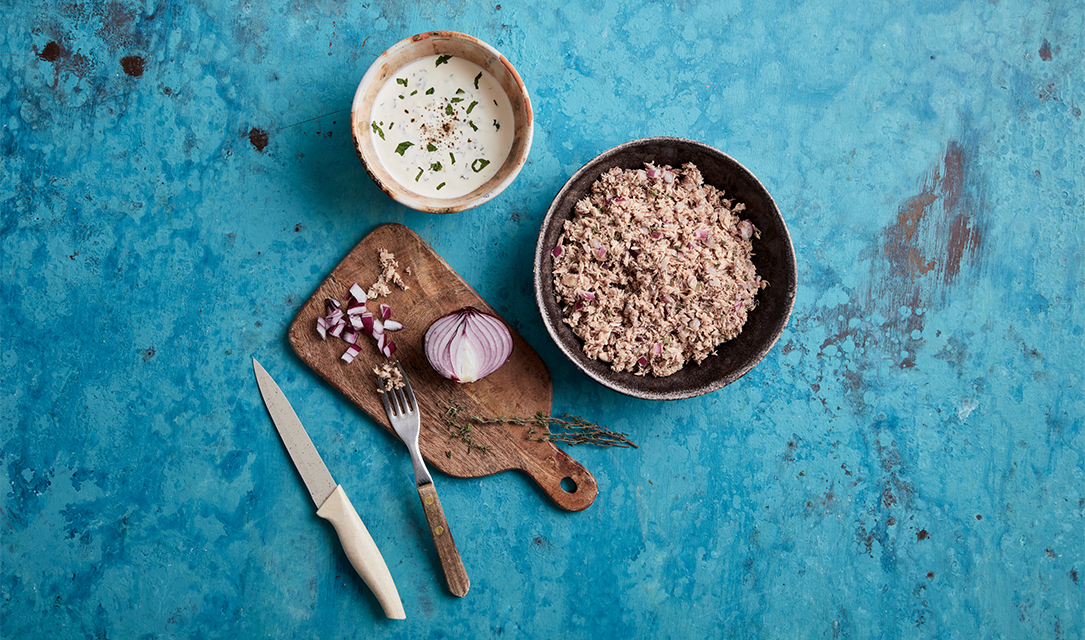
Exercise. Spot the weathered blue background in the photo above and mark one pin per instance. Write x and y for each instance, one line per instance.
(908, 462)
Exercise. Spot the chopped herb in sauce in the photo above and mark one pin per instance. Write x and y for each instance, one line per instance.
(434, 126)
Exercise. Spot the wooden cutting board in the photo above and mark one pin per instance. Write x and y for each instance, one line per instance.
(520, 388)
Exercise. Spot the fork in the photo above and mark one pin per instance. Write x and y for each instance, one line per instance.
(402, 409)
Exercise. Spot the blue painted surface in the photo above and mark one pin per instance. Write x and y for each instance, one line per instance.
(176, 179)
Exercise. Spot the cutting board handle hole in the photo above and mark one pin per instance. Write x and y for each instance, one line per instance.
(568, 485)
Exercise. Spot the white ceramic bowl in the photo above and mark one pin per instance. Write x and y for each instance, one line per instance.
(462, 46)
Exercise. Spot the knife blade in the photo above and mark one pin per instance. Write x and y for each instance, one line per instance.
(331, 501)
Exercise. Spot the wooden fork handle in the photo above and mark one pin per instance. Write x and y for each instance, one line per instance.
(455, 574)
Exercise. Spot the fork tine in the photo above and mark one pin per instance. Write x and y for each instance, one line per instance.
(387, 406)
(407, 386)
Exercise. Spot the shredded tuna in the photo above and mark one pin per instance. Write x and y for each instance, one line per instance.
(389, 275)
(389, 377)
(654, 269)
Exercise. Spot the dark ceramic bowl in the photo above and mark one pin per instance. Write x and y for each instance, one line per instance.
(774, 259)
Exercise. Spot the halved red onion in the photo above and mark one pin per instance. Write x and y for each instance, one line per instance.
(467, 345)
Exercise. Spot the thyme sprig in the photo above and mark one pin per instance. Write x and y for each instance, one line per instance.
(564, 427)
(457, 431)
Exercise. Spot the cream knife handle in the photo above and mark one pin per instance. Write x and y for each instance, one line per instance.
(455, 574)
(362, 551)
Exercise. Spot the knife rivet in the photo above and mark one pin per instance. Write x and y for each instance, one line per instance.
(429, 499)
(438, 530)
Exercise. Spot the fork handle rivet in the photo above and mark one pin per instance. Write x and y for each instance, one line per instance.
(438, 530)
(429, 499)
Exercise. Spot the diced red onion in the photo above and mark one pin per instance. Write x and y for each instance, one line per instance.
(557, 251)
(354, 308)
(388, 349)
(657, 349)
(746, 229)
(656, 235)
(642, 361)
(358, 293)
(600, 252)
(386, 311)
(351, 352)
(322, 327)
(337, 328)
(652, 173)
(367, 322)
(587, 295)
(467, 345)
(392, 325)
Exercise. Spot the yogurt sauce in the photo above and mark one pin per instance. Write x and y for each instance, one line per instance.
(442, 126)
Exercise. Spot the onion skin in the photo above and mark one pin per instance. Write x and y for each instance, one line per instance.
(467, 345)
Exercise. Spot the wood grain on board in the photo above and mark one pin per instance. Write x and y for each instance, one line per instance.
(520, 388)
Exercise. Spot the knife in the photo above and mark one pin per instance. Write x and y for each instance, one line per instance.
(331, 501)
